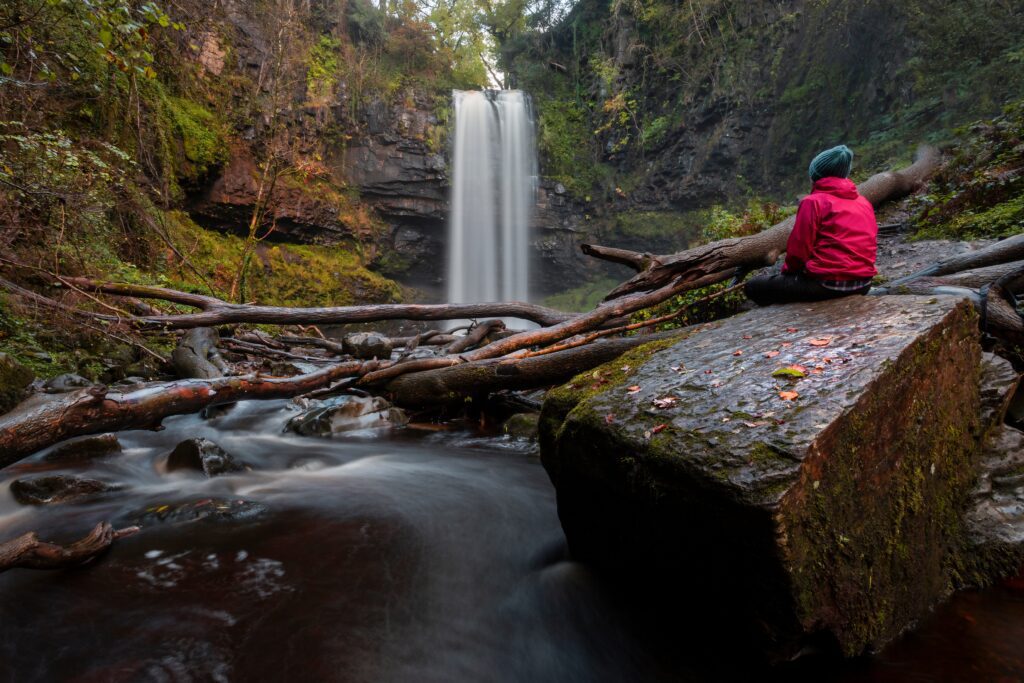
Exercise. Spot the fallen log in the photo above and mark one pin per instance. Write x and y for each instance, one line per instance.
(42, 421)
(729, 256)
(450, 385)
(29, 552)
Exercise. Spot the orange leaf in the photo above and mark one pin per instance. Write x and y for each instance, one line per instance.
(737, 353)
(788, 395)
(771, 354)
(825, 341)
(633, 389)
(658, 428)
(792, 329)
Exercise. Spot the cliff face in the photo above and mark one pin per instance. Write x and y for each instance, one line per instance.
(649, 113)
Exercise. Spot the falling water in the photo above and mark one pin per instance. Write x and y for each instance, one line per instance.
(493, 194)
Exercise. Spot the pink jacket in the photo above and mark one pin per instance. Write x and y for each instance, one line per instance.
(835, 236)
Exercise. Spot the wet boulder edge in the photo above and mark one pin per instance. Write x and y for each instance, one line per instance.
(810, 464)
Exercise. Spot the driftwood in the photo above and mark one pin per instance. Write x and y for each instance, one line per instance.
(29, 552)
(43, 421)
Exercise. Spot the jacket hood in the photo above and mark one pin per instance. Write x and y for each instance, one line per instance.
(839, 187)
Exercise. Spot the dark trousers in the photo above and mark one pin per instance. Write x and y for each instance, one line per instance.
(783, 288)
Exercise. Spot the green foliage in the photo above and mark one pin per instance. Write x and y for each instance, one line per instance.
(322, 74)
(74, 33)
(980, 192)
(721, 223)
(565, 143)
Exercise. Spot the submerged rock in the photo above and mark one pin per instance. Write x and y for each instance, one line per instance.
(203, 455)
(15, 379)
(87, 448)
(207, 509)
(827, 500)
(346, 413)
(367, 345)
(521, 426)
(57, 489)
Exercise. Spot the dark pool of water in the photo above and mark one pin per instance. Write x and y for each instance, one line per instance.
(420, 557)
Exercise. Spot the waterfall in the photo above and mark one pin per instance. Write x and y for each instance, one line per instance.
(494, 173)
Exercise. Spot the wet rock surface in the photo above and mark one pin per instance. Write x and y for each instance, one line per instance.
(346, 413)
(62, 384)
(203, 455)
(825, 500)
(57, 489)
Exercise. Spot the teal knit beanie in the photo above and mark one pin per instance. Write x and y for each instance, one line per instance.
(832, 163)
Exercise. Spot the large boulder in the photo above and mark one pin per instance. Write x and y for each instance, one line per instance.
(825, 500)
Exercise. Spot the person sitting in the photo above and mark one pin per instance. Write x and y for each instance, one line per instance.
(831, 251)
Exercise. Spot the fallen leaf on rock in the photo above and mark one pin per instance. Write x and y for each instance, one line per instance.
(759, 423)
(824, 341)
(771, 354)
(609, 418)
(738, 353)
(747, 336)
(709, 372)
(788, 395)
(633, 389)
(666, 402)
(659, 428)
(792, 329)
(791, 372)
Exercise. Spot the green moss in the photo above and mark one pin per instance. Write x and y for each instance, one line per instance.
(283, 275)
(202, 134)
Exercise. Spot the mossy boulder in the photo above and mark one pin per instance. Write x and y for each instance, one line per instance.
(825, 502)
(14, 380)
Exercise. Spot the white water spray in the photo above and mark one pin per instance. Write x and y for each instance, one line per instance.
(494, 177)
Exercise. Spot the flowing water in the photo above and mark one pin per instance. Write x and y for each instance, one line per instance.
(494, 173)
(409, 556)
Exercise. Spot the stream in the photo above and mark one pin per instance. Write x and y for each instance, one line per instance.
(410, 556)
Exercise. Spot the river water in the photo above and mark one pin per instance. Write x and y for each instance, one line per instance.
(414, 556)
